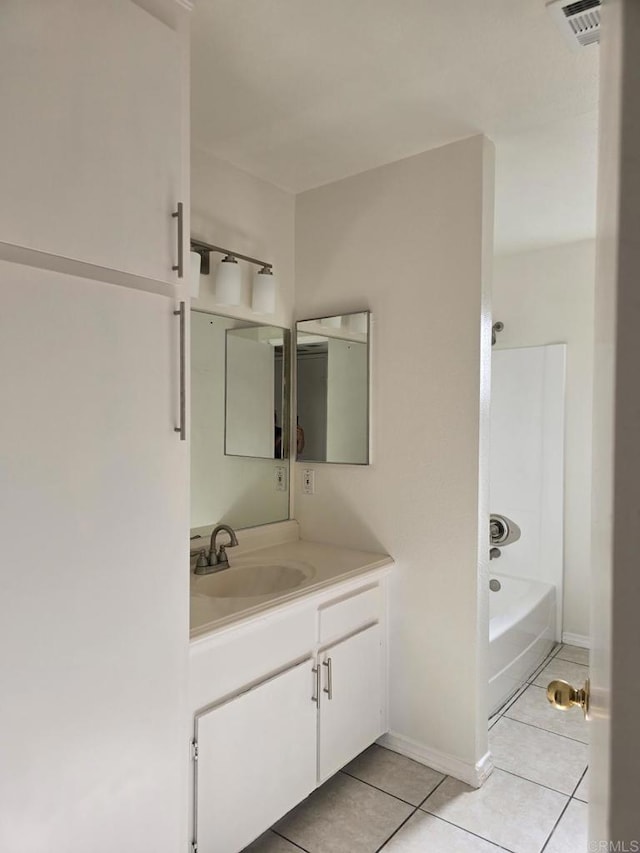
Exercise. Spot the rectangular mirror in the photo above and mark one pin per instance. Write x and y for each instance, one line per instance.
(333, 377)
(239, 418)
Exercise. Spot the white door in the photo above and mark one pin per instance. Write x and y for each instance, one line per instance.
(256, 760)
(90, 150)
(350, 700)
(94, 603)
(615, 626)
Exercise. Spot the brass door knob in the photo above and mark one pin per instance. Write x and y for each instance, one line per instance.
(563, 696)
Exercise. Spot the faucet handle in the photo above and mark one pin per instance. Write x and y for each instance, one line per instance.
(222, 558)
(202, 561)
(222, 551)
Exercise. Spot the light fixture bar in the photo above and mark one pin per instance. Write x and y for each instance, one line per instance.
(204, 249)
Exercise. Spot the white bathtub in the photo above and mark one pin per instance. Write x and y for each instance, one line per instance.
(522, 631)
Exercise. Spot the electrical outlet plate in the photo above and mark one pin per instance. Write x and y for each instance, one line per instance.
(308, 481)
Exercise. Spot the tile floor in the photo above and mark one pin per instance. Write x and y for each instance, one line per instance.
(535, 800)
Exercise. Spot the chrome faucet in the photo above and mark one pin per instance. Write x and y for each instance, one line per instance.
(216, 560)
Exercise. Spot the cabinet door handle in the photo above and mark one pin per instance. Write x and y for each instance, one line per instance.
(329, 688)
(182, 429)
(179, 215)
(316, 671)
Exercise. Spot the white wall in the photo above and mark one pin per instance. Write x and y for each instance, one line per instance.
(527, 461)
(408, 241)
(231, 208)
(545, 297)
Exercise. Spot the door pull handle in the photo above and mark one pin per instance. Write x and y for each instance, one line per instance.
(329, 688)
(182, 428)
(179, 215)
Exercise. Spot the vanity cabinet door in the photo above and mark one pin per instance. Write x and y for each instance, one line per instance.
(91, 145)
(351, 715)
(256, 760)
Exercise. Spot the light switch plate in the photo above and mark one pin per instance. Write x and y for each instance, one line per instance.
(308, 481)
(281, 478)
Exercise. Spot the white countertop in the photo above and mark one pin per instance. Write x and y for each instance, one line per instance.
(324, 565)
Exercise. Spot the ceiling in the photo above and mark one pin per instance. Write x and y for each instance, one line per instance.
(302, 93)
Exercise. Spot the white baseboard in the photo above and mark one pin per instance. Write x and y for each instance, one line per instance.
(473, 774)
(579, 640)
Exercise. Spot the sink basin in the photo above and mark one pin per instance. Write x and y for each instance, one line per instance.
(253, 580)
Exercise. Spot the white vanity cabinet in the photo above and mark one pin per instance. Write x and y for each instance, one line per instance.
(256, 759)
(280, 703)
(93, 107)
(351, 706)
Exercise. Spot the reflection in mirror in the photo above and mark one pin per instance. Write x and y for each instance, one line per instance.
(254, 399)
(332, 361)
(239, 413)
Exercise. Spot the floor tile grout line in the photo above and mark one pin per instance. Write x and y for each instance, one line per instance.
(533, 726)
(561, 815)
(396, 830)
(580, 780)
(555, 657)
(468, 831)
(502, 711)
(573, 796)
(382, 790)
(548, 731)
(526, 684)
(408, 818)
(551, 656)
(539, 784)
(567, 660)
(441, 782)
(280, 835)
(555, 826)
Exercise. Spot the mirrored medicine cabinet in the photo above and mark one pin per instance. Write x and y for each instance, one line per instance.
(239, 421)
(333, 358)
(240, 410)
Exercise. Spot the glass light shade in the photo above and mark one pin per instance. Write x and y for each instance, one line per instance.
(194, 274)
(228, 282)
(263, 300)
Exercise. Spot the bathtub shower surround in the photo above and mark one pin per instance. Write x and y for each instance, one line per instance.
(526, 485)
(522, 630)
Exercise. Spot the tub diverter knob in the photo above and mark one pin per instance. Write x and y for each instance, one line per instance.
(563, 696)
(502, 530)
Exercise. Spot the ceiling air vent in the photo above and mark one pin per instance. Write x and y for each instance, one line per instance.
(578, 20)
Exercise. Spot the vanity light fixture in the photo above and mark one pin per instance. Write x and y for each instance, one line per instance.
(263, 297)
(228, 282)
(228, 286)
(194, 274)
